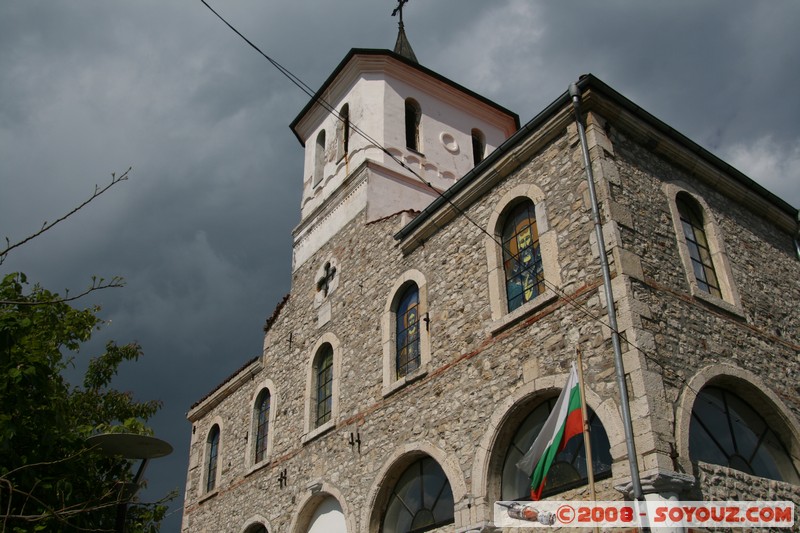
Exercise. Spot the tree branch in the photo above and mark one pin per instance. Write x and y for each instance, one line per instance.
(48, 225)
(97, 285)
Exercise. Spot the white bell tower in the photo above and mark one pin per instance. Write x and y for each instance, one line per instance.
(378, 107)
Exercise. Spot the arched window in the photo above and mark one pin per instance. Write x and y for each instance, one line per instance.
(569, 468)
(212, 453)
(413, 115)
(262, 424)
(693, 224)
(344, 131)
(522, 257)
(323, 372)
(256, 528)
(319, 158)
(407, 332)
(726, 431)
(421, 500)
(404, 332)
(478, 146)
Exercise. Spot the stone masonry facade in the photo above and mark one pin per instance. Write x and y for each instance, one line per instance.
(488, 368)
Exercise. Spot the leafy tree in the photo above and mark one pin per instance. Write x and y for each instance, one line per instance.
(50, 479)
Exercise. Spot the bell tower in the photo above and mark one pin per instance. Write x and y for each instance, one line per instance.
(380, 108)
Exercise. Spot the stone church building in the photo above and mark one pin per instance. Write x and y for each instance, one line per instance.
(445, 272)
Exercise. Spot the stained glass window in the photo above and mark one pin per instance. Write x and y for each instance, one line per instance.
(726, 431)
(324, 388)
(407, 342)
(695, 235)
(522, 257)
(569, 468)
(213, 450)
(421, 500)
(262, 424)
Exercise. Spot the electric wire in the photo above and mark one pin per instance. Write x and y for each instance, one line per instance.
(333, 112)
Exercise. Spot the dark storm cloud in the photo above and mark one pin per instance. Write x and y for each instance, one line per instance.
(202, 230)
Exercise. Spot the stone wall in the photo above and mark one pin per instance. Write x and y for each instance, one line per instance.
(483, 375)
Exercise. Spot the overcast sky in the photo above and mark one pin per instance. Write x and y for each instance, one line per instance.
(202, 230)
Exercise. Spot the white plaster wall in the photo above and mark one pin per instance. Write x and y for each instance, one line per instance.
(438, 117)
(317, 234)
(375, 95)
(389, 194)
(364, 100)
(377, 107)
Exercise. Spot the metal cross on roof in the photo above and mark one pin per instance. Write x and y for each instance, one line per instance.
(399, 9)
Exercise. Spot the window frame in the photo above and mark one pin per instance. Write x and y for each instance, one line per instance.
(407, 331)
(266, 386)
(210, 484)
(694, 234)
(391, 381)
(748, 386)
(311, 428)
(323, 386)
(726, 396)
(392, 493)
(502, 317)
(729, 300)
(511, 234)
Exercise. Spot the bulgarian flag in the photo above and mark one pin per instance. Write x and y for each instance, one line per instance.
(565, 421)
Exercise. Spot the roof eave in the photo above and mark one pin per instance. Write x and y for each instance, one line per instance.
(378, 52)
(591, 82)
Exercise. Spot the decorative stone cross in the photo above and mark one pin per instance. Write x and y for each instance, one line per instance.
(324, 283)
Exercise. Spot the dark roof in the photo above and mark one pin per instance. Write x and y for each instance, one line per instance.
(585, 82)
(274, 316)
(423, 70)
(402, 47)
(226, 380)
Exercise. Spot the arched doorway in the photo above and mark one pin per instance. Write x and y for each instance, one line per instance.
(328, 517)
